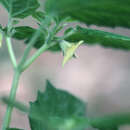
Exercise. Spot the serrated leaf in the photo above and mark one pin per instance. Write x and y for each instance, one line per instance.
(106, 39)
(68, 50)
(89, 36)
(20, 8)
(54, 108)
(109, 13)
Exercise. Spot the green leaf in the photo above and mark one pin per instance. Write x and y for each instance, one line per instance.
(74, 123)
(110, 122)
(73, 35)
(20, 8)
(109, 13)
(55, 109)
(106, 39)
(39, 15)
(25, 33)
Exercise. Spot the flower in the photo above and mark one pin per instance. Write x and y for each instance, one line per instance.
(68, 50)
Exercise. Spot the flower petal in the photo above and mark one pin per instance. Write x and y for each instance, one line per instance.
(69, 50)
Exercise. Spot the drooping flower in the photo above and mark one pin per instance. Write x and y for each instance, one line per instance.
(68, 50)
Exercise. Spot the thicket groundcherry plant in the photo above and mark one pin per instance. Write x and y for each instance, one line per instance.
(55, 109)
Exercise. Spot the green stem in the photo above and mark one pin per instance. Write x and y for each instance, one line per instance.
(21, 67)
(46, 45)
(34, 57)
(28, 48)
(11, 52)
(12, 96)
(32, 42)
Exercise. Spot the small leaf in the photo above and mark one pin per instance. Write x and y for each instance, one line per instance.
(69, 50)
(39, 15)
(1, 37)
(20, 8)
(55, 108)
(25, 33)
(92, 37)
(111, 13)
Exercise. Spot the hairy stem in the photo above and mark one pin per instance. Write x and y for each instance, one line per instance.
(12, 96)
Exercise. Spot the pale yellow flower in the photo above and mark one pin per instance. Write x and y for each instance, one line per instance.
(69, 50)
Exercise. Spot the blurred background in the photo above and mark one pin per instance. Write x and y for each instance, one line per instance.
(100, 76)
